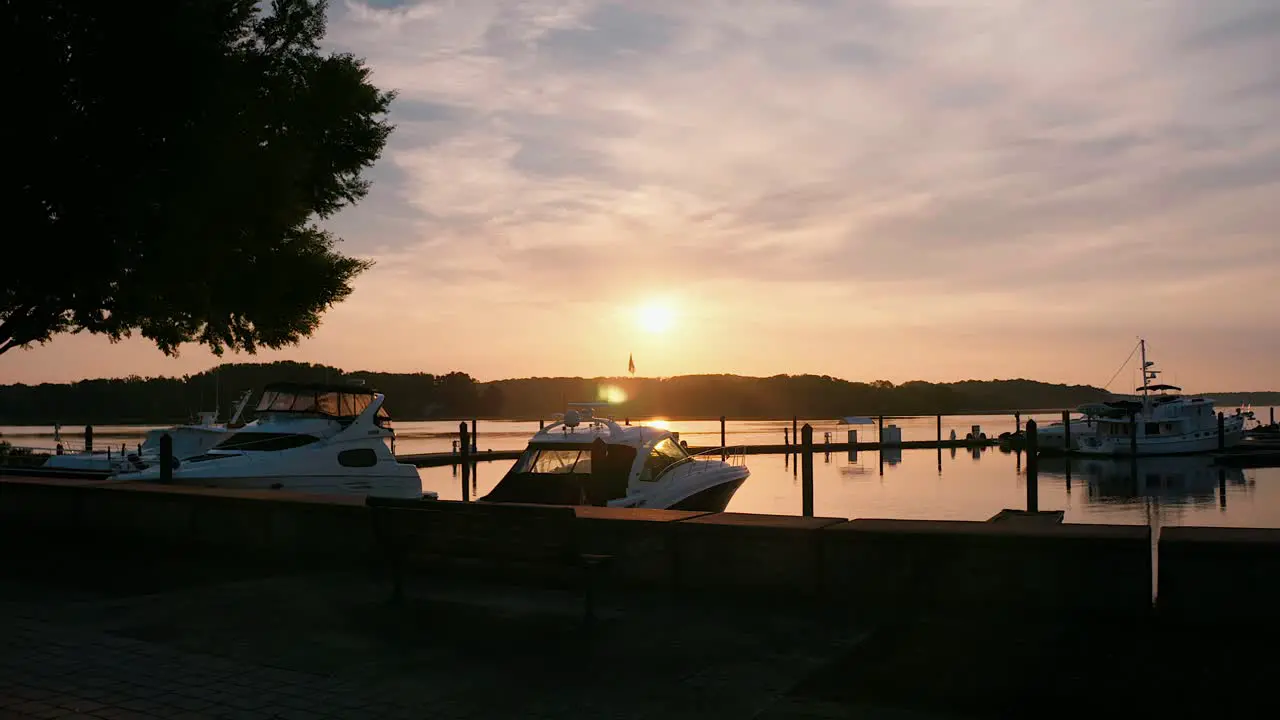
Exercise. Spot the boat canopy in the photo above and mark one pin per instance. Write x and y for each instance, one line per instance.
(338, 401)
(1161, 388)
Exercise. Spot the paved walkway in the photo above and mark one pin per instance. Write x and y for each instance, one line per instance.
(328, 646)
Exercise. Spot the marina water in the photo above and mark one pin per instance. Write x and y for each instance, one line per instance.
(922, 484)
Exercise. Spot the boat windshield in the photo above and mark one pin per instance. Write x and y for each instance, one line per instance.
(549, 461)
(666, 452)
(322, 402)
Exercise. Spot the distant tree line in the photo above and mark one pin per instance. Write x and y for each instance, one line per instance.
(421, 396)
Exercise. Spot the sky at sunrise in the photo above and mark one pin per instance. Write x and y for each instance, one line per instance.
(872, 189)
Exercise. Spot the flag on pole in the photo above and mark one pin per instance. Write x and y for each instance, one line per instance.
(631, 363)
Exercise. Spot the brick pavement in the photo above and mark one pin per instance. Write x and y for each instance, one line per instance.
(329, 647)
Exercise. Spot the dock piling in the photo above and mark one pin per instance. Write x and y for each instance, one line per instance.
(1066, 431)
(722, 440)
(806, 481)
(1222, 431)
(880, 430)
(795, 430)
(542, 424)
(1133, 434)
(1033, 469)
(1273, 416)
(166, 458)
(1017, 422)
(88, 438)
(939, 429)
(464, 459)
(475, 437)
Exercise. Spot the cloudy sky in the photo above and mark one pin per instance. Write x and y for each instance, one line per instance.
(897, 189)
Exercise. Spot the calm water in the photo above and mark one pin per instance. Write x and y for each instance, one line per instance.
(961, 485)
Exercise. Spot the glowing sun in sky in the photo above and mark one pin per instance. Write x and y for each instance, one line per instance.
(655, 316)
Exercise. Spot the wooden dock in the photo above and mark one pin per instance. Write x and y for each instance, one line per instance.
(439, 459)
(1256, 452)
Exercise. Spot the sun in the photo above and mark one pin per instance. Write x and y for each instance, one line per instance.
(655, 317)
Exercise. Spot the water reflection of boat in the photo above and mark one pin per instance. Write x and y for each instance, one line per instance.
(1171, 479)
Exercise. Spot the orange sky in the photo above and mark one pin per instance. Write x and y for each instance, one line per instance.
(873, 189)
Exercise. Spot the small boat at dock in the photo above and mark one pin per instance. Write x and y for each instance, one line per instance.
(188, 440)
(586, 460)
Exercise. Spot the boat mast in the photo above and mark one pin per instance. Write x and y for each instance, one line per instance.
(1146, 375)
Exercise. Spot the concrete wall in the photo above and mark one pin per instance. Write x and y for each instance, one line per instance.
(770, 553)
(939, 567)
(266, 525)
(1205, 570)
(897, 565)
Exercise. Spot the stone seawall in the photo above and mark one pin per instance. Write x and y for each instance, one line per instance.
(913, 566)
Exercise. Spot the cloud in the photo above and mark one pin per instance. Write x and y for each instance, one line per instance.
(928, 163)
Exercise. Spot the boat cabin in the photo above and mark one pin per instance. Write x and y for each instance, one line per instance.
(291, 415)
(588, 467)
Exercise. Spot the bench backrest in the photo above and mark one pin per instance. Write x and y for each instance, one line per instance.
(480, 530)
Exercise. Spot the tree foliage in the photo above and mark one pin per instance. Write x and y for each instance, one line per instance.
(168, 167)
(420, 396)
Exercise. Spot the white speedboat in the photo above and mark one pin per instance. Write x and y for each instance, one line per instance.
(1161, 422)
(585, 460)
(188, 440)
(311, 438)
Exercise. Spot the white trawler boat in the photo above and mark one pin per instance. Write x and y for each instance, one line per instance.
(311, 438)
(633, 466)
(1161, 422)
(188, 441)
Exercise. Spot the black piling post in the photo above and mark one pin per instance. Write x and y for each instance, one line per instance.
(722, 442)
(1222, 431)
(1017, 422)
(1033, 469)
(542, 424)
(1273, 416)
(939, 435)
(795, 431)
(1066, 431)
(475, 436)
(1133, 434)
(806, 481)
(166, 458)
(88, 438)
(880, 431)
(464, 459)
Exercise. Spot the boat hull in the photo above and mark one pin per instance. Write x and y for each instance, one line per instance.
(1197, 443)
(712, 499)
(392, 486)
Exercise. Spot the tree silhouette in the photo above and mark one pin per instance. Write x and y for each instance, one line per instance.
(168, 165)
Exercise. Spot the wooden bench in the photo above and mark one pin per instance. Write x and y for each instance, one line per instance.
(525, 535)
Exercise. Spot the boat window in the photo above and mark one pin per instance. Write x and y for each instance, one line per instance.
(333, 403)
(359, 457)
(553, 462)
(263, 441)
(663, 455)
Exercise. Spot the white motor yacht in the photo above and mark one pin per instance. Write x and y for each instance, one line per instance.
(189, 440)
(1161, 422)
(585, 460)
(311, 438)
